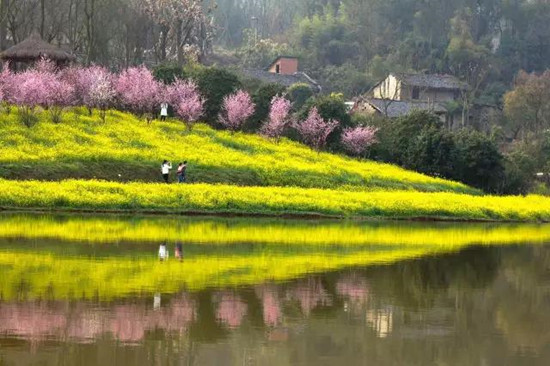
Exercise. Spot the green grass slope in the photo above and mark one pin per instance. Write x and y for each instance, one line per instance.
(128, 149)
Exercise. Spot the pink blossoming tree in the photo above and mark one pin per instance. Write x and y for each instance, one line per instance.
(236, 109)
(315, 130)
(95, 88)
(187, 101)
(58, 95)
(55, 93)
(28, 93)
(43, 87)
(357, 140)
(101, 95)
(46, 65)
(5, 83)
(139, 91)
(279, 113)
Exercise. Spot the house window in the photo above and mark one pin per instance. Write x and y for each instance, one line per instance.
(277, 69)
(416, 93)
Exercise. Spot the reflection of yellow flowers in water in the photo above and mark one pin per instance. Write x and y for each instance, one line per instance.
(267, 231)
(293, 250)
(39, 275)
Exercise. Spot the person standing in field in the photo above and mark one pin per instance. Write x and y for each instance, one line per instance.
(163, 111)
(163, 252)
(182, 167)
(165, 169)
(179, 251)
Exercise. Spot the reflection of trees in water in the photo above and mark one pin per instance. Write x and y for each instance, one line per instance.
(230, 309)
(523, 300)
(85, 322)
(309, 293)
(417, 283)
(354, 288)
(271, 305)
(455, 298)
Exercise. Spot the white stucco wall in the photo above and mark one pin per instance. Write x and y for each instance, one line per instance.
(390, 88)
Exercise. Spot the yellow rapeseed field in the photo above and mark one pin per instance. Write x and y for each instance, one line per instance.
(205, 198)
(128, 149)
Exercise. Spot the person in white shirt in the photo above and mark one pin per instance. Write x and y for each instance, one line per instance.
(163, 111)
(163, 252)
(165, 169)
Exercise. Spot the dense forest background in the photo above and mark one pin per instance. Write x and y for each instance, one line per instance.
(347, 44)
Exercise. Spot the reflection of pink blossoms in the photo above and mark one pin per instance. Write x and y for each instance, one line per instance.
(83, 323)
(310, 294)
(231, 310)
(271, 305)
(355, 289)
(128, 324)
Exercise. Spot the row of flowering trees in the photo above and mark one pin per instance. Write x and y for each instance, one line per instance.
(314, 130)
(136, 90)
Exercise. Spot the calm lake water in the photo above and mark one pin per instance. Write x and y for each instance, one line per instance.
(84, 290)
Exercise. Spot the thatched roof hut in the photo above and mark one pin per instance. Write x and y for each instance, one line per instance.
(33, 49)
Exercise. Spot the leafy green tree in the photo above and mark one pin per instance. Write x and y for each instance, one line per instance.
(330, 107)
(479, 163)
(326, 39)
(214, 84)
(432, 151)
(168, 73)
(467, 59)
(259, 52)
(345, 79)
(262, 98)
(298, 94)
(527, 106)
(520, 170)
(405, 130)
(420, 142)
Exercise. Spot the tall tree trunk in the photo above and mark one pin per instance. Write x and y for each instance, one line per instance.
(4, 6)
(42, 17)
(89, 10)
(179, 42)
(163, 41)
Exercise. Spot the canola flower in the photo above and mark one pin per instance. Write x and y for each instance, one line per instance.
(51, 277)
(46, 263)
(229, 199)
(83, 147)
(274, 232)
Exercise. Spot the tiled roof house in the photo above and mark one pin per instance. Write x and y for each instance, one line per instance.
(399, 94)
